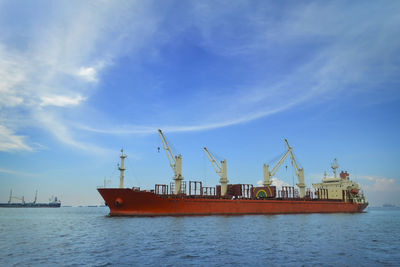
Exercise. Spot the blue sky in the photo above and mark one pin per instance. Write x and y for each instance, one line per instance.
(81, 79)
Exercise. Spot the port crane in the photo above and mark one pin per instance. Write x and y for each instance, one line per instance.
(175, 161)
(220, 169)
(299, 171)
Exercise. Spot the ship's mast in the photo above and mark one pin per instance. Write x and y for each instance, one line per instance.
(122, 169)
(175, 162)
(334, 166)
(221, 170)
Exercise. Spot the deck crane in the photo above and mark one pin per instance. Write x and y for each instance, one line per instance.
(220, 169)
(20, 198)
(299, 171)
(268, 174)
(12, 197)
(175, 162)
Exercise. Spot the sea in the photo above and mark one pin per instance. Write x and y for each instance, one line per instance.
(87, 236)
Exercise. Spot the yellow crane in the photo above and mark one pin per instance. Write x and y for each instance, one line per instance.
(175, 162)
(12, 197)
(268, 174)
(299, 172)
(220, 169)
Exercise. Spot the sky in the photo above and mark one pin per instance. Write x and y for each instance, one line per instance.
(79, 80)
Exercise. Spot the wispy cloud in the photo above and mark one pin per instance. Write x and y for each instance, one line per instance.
(380, 184)
(18, 173)
(292, 56)
(10, 142)
(61, 101)
(59, 66)
(183, 128)
(89, 74)
(343, 53)
(380, 190)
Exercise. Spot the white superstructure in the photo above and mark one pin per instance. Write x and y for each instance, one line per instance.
(341, 188)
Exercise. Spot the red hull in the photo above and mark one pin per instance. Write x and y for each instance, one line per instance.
(140, 203)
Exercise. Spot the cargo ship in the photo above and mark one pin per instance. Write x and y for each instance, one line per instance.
(332, 195)
(54, 202)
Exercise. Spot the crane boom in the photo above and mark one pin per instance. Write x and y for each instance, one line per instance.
(213, 161)
(276, 167)
(268, 174)
(175, 162)
(168, 151)
(220, 170)
(292, 159)
(299, 171)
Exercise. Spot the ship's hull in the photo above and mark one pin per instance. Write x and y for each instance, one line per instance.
(30, 205)
(127, 202)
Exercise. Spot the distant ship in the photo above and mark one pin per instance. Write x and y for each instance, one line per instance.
(388, 206)
(335, 194)
(53, 203)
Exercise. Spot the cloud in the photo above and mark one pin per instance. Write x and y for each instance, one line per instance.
(381, 184)
(133, 129)
(88, 74)
(276, 58)
(10, 142)
(278, 183)
(61, 101)
(19, 173)
(61, 132)
(54, 66)
(274, 182)
(321, 51)
(380, 190)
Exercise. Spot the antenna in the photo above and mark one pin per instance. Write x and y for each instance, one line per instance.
(334, 166)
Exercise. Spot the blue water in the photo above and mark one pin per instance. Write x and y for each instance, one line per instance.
(88, 237)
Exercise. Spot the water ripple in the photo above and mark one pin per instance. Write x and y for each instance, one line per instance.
(88, 237)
